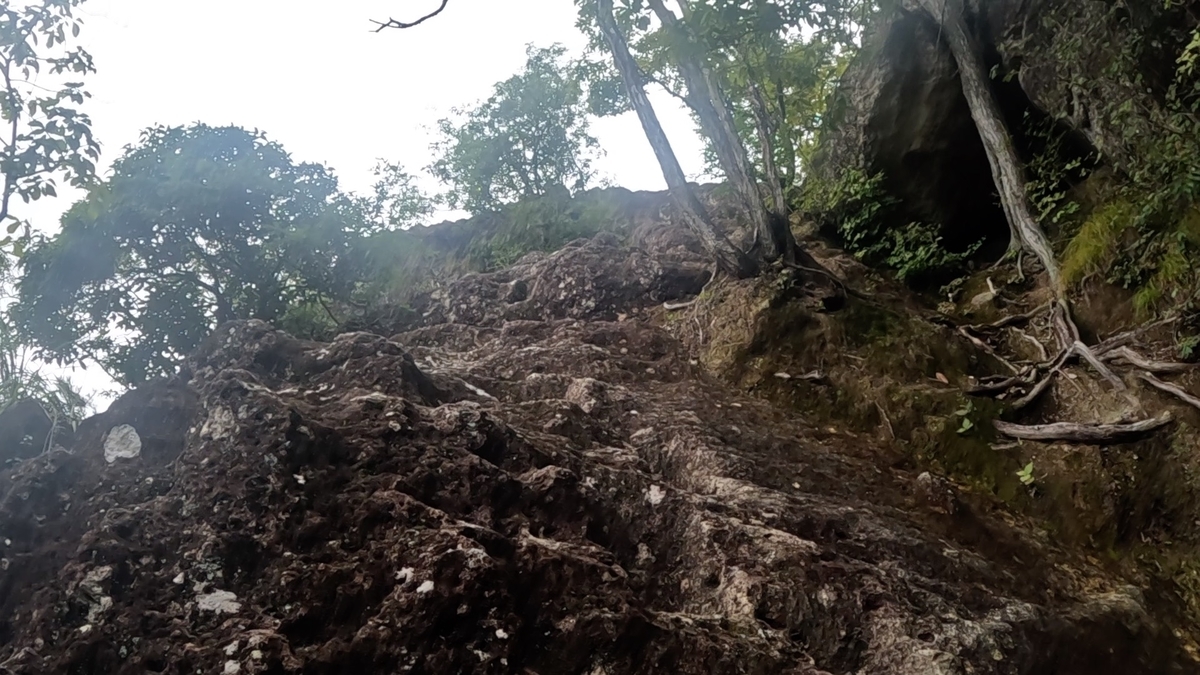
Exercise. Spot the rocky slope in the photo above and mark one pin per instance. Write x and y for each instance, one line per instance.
(532, 478)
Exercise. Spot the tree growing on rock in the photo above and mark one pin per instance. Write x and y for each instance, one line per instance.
(195, 226)
(773, 239)
(1028, 236)
(529, 137)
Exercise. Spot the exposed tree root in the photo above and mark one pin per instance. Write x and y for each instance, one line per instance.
(1097, 434)
(1171, 389)
(1030, 382)
(1027, 235)
(1132, 357)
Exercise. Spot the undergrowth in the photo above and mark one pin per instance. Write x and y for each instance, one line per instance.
(1145, 233)
(866, 219)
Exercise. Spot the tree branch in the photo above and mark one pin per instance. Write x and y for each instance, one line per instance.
(392, 23)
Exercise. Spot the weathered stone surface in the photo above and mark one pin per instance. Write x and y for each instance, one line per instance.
(553, 490)
(900, 108)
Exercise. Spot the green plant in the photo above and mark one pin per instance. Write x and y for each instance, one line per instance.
(964, 414)
(1096, 245)
(1187, 347)
(1025, 475)
(21, 377)
(195, 226)
(47, 136)
(1144, 235)
(1052, 171)
(864, 217)
(531, 136)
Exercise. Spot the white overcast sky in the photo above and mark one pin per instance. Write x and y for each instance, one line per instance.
(314, 77)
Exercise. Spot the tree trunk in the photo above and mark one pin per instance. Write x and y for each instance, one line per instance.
(1006, 166)
(707, 100)
(766, 135)
(728, 257)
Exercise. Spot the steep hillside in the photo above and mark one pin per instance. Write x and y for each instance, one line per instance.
(534, 481)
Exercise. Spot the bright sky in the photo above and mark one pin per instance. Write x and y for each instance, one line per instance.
(314, 77)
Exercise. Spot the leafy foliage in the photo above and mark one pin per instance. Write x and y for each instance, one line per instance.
(403, 264)
(1146, 235)
(22, 378)
(196, 225)
(45, 137)
(1052, 171)
(530, 136)
(863, 215)
(395, 202)
(776, 63)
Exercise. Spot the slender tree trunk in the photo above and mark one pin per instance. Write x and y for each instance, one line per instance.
(1008, 173)
(1006, 166)
(766, 136)
(728, 257)
(789, 144)
(707, 100)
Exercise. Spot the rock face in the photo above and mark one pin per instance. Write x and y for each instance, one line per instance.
(536, 482)
(900, 108)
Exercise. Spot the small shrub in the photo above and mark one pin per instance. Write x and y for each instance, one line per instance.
(864, 216)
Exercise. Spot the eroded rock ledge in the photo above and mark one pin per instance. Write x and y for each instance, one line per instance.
(546, 485)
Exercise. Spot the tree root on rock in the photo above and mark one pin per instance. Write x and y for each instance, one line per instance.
(1027, 235)
(1094, 434)
(1033, 380)
(1171, 389)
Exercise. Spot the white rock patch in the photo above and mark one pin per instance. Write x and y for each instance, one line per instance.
(221, 602)
(122, 442)
(219, 424)
(655, 495)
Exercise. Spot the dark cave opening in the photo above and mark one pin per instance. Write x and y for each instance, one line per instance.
(929, 150)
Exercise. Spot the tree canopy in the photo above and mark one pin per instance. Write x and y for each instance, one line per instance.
(529, 136)
(395, 201)
(44, 136)
(195, 226)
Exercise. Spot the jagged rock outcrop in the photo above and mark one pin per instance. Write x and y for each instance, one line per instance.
(900, 108)
(551, 488)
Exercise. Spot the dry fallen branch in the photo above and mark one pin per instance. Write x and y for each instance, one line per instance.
(1097, 434)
